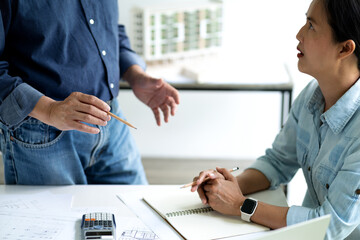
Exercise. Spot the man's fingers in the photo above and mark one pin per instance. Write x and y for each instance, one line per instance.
(174, 94)
(157, 115)
(91, 100)
(94, 111)
(164, 108)
(171, 103)
(82, 127)
(87, 118)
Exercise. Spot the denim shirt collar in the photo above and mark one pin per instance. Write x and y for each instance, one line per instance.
(341, 112)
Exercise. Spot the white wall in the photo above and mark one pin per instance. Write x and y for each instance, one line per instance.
(229, 125)
(223, 124)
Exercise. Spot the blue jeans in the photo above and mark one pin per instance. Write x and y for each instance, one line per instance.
(36, 153)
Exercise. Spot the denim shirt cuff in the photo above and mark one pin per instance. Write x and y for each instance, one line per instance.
(17, 106)
(268, 170)
(297, 214)
(127, 59)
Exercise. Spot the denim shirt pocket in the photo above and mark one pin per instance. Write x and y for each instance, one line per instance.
(323, 178)
(33, 133)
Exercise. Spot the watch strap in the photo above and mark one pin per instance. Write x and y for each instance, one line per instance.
(247, 216)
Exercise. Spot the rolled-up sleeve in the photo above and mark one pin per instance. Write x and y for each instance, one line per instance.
(297, 214)
(18, 104)
(17, 99)
(342, 202)
(127, 56)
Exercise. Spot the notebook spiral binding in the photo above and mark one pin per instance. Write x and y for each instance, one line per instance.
(189, 212)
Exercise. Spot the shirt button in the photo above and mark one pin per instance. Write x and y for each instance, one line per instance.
(91, 21)
(309, 169)
(327, 186)
(103, 52)
(111, 85)
(357, 192)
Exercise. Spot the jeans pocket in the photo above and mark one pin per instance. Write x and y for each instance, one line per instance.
(33, 133)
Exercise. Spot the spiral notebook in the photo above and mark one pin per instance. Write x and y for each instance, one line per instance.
(184, 211)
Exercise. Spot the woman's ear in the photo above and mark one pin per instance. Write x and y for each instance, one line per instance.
(347, 48)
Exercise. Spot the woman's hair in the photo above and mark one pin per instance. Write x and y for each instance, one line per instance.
(344, 19)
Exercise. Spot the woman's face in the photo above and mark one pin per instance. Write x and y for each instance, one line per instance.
(317, 49)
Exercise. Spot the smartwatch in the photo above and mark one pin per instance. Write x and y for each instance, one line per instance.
(248, 209)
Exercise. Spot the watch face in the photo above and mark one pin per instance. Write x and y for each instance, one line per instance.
(248, 206)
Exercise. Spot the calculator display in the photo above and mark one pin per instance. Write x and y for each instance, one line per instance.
(98, 225)
(98, 233)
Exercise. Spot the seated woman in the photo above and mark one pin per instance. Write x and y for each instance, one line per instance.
(321, 135)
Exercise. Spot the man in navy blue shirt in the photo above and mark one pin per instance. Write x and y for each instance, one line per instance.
(60, 66)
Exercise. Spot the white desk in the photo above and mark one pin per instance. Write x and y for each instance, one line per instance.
(97, 196)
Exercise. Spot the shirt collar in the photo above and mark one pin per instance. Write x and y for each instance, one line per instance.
(341, 112)
(316, 101)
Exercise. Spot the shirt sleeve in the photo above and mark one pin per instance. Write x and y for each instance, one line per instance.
(17, 99)
(342, 202)
(127, 56)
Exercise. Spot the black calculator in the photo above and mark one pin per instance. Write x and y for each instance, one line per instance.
(98, 225)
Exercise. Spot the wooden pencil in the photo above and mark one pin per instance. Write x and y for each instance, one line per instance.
(121, 120)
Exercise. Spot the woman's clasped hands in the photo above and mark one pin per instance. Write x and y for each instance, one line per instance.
(220, 190)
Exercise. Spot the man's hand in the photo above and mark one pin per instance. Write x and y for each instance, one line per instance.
(154, 92)
(73, 112)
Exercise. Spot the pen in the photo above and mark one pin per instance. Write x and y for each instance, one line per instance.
(207, 178)
(121, 120)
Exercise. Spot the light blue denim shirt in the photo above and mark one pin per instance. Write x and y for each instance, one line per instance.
(327, 148)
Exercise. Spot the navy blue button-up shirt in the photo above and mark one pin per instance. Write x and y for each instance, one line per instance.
(56, 47)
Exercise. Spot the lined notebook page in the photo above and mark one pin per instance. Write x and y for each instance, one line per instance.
(193, 220)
